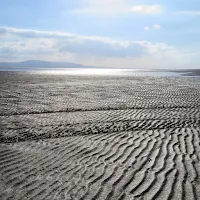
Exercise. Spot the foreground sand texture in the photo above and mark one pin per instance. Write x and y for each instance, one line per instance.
(119, 138)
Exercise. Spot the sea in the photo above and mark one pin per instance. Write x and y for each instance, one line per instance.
(100, 71)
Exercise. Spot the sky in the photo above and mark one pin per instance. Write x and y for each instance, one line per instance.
(110, 33)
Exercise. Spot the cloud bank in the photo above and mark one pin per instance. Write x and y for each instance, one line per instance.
(24, 44)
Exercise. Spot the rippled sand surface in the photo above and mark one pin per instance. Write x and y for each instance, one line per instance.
(99, 137)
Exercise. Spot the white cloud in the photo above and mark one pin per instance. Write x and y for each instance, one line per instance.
(103, 6)
(156, 26)
(147, 9)
(25, 44)
(110, 7)
(188, 12)
(30, 33)
(77, 44)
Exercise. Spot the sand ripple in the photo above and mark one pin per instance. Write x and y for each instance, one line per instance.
(99, 138)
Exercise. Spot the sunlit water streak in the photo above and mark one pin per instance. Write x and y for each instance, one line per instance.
(105, 72)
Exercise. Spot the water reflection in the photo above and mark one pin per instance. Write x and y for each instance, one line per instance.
(108, 72)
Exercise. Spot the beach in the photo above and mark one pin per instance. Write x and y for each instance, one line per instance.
(99, 137)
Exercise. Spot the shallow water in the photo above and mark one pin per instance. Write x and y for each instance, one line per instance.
(101, 72)
(108, 71)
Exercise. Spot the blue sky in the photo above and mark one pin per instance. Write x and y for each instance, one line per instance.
(120, 33)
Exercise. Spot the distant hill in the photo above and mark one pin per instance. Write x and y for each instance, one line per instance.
(35, 64)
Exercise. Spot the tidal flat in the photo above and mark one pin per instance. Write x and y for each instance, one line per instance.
(99, 137)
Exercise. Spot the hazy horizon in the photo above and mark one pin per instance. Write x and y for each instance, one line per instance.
(39, 65)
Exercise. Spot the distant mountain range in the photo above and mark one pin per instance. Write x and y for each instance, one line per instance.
(35, 64)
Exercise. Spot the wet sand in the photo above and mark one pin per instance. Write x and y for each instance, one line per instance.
(99, 137)
(188, 72)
